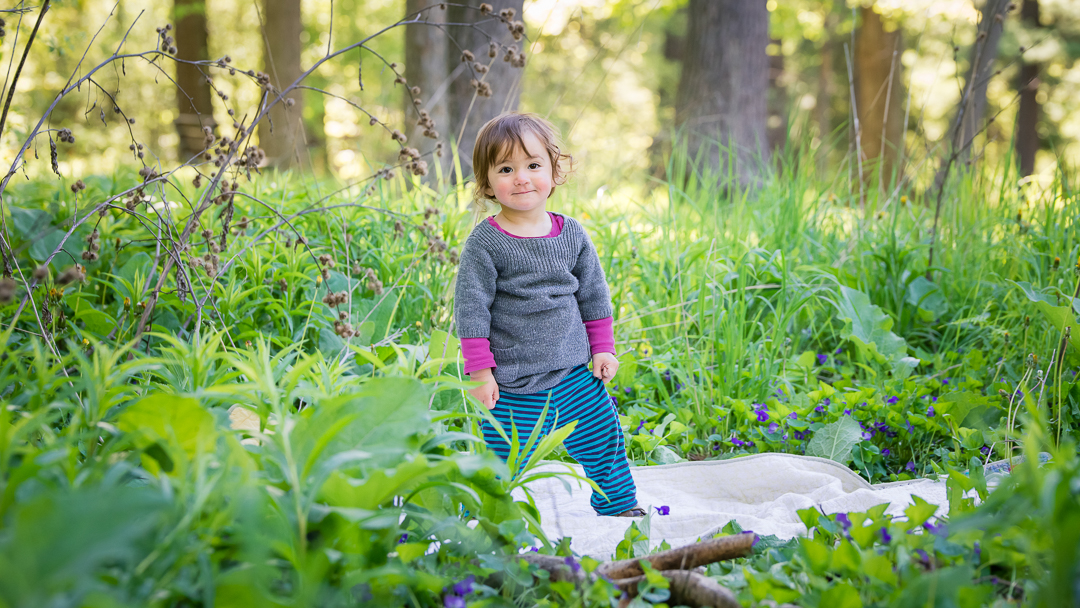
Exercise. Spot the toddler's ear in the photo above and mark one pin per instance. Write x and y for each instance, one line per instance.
(552, 191)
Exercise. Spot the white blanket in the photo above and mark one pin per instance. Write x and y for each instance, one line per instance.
(762, 492)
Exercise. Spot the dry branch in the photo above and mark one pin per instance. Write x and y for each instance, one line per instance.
(684, 558)
(687, 588)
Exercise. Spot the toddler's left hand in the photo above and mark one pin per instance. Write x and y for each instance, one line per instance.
(604, 366)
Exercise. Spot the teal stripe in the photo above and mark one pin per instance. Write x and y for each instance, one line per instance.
(596, 443)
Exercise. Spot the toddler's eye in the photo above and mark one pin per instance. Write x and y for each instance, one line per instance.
(504, 170)
(534, 166)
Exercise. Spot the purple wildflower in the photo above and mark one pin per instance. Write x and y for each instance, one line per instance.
(465, 586)
(985, 450)
(826, 401)
(885, 536)
(453, 601)
(574, 566)
(737, 442)
(800, 435)
(534, 549)
(910, 466)
(945, 381)
(793, 416)
(404, 537)
(821, 359)
(868, 436)
(820, 408)
(774, 427)
(930, 411)
(847, 411)
(640, 424)
(663, 509)
(885, 452)
(627, 389)
(762, 416)
(842, 519)
(939, 530)
(892, 400)
(910, 428)
(923, 555)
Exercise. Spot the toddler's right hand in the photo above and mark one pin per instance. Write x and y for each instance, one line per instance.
(488, 392)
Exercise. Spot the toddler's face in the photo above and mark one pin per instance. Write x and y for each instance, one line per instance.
(523, 181)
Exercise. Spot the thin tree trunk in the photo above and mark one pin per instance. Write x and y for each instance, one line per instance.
(469, 112)
(425, 67)
(776, 121)
(1027, 117)
(825, 94)
(281, 134)
(723, 90)
(879, 95)
(969, 119)
(193, 95)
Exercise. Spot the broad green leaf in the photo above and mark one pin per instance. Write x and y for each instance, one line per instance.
(443, 345)
(869, 327)
(180, 422)
(835, 440)
(927, 296)
(841, 595)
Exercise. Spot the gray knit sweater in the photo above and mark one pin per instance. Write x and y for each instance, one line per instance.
(530, 298)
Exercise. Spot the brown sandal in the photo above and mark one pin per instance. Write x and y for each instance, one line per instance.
(635, 512)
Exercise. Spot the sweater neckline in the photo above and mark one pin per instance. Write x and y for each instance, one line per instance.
(493, 224)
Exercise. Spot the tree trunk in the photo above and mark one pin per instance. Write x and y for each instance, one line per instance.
(969, 118)
(723, 90)
(193, 96)
(823, 105)
(776, 124)
(1027, 117)
(281, 133)
(425, 67)
(879, 96)
(469, 112)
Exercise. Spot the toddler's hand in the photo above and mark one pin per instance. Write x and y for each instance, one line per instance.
(604, 366)
(488, 392)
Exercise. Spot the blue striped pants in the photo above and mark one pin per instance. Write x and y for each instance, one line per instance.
(596, 443)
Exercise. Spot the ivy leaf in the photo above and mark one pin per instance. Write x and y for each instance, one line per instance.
(834, 441)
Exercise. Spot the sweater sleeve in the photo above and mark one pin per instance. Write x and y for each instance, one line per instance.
(593, 298)
(474, 292)
(477, 354)
(601, 335)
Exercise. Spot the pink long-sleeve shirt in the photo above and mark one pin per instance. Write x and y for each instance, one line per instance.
(477, 351)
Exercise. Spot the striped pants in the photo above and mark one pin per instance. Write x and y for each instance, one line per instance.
(596, 443)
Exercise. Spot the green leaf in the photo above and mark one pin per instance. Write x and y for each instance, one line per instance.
(443, 345)
(1059, 317)
(627, 370)
(834, 441)
(927, 296)
(841, 595)
(919, 512)
(180, 422)
(43, 246)
(868, 327)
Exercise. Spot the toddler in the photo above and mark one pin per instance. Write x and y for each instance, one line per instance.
(532, 308)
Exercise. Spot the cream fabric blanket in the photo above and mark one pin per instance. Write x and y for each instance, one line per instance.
(762, 492)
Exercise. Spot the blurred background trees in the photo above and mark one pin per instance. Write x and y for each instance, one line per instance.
(619, 77)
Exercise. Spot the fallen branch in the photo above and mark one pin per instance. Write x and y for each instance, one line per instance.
(687, 588)
(683, 558)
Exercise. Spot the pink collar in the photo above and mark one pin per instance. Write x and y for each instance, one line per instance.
(556, 227)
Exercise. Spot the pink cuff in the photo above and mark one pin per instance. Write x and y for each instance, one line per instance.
(601, 335)
(477, 354)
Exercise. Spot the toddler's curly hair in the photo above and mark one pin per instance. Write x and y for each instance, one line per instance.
(498, 139)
